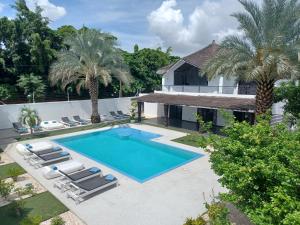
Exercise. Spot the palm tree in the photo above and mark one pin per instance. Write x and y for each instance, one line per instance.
(91, 57)
(267, 50)
(29, 117)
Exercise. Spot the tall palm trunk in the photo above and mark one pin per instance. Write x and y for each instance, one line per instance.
(94, 92)
(264, 95)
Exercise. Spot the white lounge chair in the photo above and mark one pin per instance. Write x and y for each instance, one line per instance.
(51, 125)
(23, 149)
(50, 172)
(45, 159)
(64, 183)
(85, 188)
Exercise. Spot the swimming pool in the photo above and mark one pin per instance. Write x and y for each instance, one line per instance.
(129, 151)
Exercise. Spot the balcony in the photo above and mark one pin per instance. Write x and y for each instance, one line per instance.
(234, 90)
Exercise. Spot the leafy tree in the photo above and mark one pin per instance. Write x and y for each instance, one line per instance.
(66, 31)
(259, 165)
(91, 58)
(290, 94)
(266, 52)
(4, 93)
(30, 117)
(143, 64)
(32, 85)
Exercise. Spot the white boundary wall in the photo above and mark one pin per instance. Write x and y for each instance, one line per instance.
(56, 110)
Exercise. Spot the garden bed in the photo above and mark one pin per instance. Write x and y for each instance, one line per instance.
(44, 205)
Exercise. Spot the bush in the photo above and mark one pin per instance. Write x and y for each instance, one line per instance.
(5, 188)
(197, 221)
(218, 213)
(57, 221)
(17, 208)
(31, 220)
(260, 166)
(15, 172)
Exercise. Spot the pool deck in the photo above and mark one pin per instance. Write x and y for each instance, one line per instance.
(164, 200)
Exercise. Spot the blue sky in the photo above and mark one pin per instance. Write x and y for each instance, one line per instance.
(185, 25)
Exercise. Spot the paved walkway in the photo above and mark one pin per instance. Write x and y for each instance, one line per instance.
(165, 200)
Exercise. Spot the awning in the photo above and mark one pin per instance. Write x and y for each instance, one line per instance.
(212, 102)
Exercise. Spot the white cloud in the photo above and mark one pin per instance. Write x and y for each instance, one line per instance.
(53, 12)
(209, 21)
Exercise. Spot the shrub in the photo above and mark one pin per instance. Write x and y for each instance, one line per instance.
(31, 220)
(260, 166)
(204, 127)
(218, 213)
(5, 188)
(15, 172)
(17, 208)
(197, 221)
(57, 221)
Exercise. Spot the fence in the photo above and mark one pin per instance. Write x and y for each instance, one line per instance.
(55, 110)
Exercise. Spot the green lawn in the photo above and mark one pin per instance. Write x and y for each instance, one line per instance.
(190, 139)
(44, 204)
(69, 130)
(5, 168)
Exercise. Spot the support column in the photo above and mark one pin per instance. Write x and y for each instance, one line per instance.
(139, 112)
(167, 112)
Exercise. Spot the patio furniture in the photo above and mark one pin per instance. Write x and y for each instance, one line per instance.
(20, 128)
(51, 125)
(43, 152)
(120, 112)
(66, 121)
(80, 121)
(87, 187)
(23, 149)
(53, 171)
(115, 116)
(89, 173)
(45, 159)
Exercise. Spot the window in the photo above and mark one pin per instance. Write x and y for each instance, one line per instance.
(189, 75)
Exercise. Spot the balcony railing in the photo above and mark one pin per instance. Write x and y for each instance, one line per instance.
(243, 90)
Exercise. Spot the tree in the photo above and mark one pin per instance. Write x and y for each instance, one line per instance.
(290, 94)
(92, 57)
(4, 93)
(259, 165)
(143, 64)
(29, 117)
(267, 50)
(32, 85)
(66, 31)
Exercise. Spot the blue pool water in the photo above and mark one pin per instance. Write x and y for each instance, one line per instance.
(129, 151)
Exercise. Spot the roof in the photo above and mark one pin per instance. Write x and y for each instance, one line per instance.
(200, 57)
(197, 59)
(213, 102)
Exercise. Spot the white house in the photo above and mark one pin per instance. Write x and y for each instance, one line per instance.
(186, 90)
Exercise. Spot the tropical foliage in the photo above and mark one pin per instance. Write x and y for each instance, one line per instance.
(92, 57)
(259, 165)
(32, 85)
(267, 50)
(29, 117)
(290, 94)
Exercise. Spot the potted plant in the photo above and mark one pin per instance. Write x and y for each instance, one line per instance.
(30, 117)
(133, 111)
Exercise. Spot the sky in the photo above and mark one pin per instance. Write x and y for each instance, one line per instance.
(184, 25)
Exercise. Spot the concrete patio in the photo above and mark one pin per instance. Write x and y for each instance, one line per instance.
(165, 200)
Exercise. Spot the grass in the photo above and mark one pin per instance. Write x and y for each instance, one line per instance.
(192, 139)
(69, 130)
(44, 205)
(4, 170)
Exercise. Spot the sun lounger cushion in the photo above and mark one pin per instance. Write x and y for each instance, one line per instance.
(81, 174)
(54, 156)
(93, 183)
(34, 147)
(109, 177)
(66, 167)
(94, 170)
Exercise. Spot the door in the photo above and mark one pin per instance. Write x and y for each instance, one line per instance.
(175, 112)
